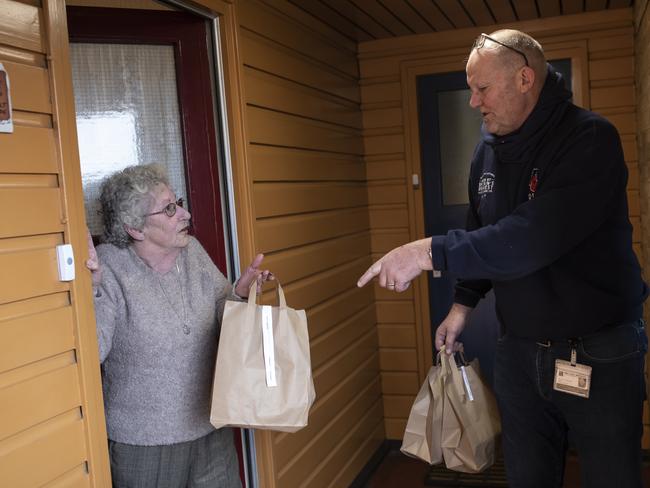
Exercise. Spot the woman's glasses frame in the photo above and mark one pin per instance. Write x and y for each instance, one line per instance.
(480, 42)
(169, 210)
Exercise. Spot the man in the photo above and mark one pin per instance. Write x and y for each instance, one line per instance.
(548, 230)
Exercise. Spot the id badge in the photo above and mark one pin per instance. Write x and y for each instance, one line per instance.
(571, 377)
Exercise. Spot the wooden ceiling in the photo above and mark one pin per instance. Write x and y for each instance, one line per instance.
(366, 20)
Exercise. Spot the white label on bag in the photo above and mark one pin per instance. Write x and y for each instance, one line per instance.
(467, 387)
(269, 347)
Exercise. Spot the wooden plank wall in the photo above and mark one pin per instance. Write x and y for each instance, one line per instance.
(609, 40)
(50, 396)
(305, 151)
(642, 76)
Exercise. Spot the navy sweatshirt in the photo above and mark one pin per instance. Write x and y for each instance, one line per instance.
(548, 225)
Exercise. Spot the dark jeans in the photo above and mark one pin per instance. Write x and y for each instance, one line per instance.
(605, 428)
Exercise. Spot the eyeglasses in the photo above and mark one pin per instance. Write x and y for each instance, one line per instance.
(169, 210)
(480, 42)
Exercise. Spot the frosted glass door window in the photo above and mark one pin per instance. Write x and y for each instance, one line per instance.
(127, 113)
(459, 129)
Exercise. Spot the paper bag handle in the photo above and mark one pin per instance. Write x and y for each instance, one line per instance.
(252, 294)
(460, 353)
(460, 381)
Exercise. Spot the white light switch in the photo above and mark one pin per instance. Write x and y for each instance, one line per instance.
(415, 179)
(65, 258)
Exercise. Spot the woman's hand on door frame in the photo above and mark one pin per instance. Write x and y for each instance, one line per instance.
(92, 263)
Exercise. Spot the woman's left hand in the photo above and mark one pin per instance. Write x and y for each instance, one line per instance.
(253, 273)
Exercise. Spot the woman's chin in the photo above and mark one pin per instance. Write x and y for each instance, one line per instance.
(183, 238)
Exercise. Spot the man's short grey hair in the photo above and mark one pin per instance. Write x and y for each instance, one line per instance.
(524, 43)
(126, 197)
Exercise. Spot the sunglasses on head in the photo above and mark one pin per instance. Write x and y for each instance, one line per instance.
(480, 42)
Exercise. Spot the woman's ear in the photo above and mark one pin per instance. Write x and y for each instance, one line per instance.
(136, 234)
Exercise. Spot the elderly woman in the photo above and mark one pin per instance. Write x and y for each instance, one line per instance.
(159, 299)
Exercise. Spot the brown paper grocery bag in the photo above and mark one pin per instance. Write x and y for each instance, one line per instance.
(262, 377)
(424, 426)
(470, 424)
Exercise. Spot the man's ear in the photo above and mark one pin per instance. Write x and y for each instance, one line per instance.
(136, 234)
(526, 79)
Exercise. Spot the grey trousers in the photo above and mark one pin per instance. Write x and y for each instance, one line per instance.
(207, 462)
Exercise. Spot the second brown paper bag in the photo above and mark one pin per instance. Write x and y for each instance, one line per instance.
(470, 423)
(424, 426)
(263, 375)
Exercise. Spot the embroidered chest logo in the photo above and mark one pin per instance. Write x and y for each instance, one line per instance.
(486, 184)
(532, 184)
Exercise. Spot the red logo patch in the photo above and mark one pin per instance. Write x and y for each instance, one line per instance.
(532, 184)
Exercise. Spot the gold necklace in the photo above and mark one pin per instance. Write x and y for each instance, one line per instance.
(186, 327)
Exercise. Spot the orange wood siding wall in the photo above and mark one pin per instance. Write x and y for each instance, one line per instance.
(51, 417)
(390, 218)
(309, 198)
(642, 77)
(602, 45)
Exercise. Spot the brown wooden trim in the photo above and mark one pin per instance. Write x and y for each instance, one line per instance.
(73, 219)
(577, 52)
(237, 127)
(409, 73)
